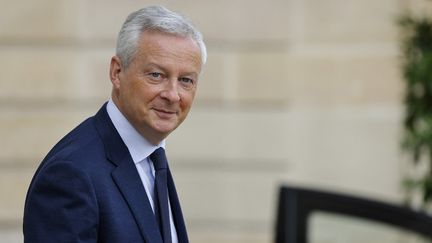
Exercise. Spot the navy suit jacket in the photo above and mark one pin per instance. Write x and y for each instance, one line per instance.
(87, 189)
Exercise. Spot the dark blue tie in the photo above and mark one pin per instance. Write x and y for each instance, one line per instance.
(161, 193)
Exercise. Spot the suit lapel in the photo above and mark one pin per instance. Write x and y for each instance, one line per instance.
(176, 210)
(129, 183)
(126, 177)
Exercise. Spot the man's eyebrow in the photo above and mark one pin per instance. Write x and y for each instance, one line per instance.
(155, 65)
(193, 74)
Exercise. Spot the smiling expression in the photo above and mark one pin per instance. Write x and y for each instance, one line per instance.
(155, 92)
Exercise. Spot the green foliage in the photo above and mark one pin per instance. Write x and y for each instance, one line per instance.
(417, 71)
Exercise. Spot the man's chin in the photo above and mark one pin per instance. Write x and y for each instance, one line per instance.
(165, 128)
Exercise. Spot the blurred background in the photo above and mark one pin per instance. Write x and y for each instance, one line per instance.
(304, 92)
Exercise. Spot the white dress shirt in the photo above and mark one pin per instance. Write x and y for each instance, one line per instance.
(140, 150)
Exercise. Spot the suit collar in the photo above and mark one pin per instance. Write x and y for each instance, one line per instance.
(115, 149)
(126, 177)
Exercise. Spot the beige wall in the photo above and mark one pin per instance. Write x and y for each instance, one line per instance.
(297, 91)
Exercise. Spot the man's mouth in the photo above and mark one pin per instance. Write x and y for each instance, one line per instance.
(164, 113)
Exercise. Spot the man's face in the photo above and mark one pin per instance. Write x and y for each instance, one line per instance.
(156, 91)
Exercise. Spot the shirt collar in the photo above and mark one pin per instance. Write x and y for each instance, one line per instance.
(139, 148)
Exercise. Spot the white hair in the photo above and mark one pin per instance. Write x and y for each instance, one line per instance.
(154, 18)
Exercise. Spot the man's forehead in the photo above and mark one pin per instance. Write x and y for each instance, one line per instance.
(157, 44)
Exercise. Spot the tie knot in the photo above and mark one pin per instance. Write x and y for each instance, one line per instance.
(159, 159)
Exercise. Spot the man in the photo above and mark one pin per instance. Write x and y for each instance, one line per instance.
(107, 180)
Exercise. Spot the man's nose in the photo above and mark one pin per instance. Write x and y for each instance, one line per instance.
(170, 91)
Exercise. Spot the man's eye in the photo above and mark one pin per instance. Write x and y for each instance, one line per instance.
(187, 80)
(155, 75)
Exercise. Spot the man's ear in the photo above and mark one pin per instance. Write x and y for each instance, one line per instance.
(115, 70)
